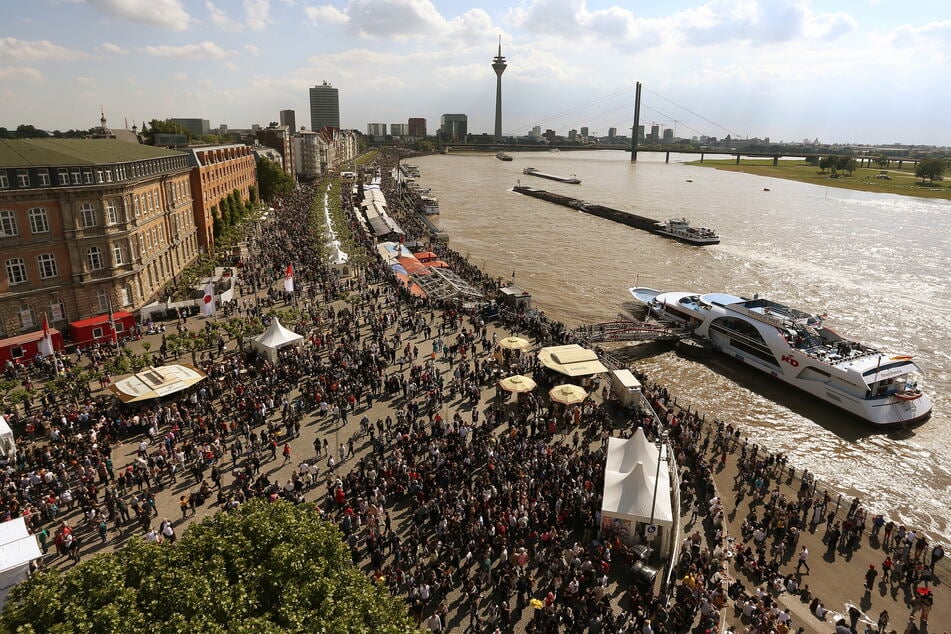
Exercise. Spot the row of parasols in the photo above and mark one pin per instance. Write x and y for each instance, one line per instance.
(566, 394)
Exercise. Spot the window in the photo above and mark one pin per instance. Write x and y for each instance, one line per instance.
(39, 223)
(125, 296)
(112, 212)
(4, 181)
(120, 326)
(63, 177)
(57, 310)
(76, 177)
(87, 177)
(27, 318)
(23, 179)
(108, 176)
(117, 254)
(47, 265)
(102, 297)
(8, 224)
(97, 332)
(94, 258)
(99, 177)
(17, 352)
(16, 271)
(44, 179)
(87, 215)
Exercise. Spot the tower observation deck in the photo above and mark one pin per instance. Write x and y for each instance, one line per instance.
(499, 66)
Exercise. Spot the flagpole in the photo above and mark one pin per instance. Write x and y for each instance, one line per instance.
(112, 324)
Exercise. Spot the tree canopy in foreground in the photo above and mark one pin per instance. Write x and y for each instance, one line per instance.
(261, 568)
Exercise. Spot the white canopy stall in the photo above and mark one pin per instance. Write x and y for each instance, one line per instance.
(273, 339)
(8, 446)
(571, 360)
(636, 491)
(17, 549)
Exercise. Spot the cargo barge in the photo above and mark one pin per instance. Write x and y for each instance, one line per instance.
(571, 180)
(699, 237)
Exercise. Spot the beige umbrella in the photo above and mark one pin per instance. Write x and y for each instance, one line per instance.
(514, 343)
(517, 384)
(567, 394)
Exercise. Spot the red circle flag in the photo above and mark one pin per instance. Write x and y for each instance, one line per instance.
(207, 299)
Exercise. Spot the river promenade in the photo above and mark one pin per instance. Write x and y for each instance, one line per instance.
(460, 415)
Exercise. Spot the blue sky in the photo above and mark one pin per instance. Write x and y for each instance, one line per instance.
(842, 71)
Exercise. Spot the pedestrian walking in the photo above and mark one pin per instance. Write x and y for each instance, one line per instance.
(870, 575)
(803, 556)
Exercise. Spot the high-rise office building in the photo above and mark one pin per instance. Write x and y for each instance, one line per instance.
(324, 107)
(417, 127)
(376, 129)
(612, 132)
(289, 118)
(399, 129)
(584, 131)
(655, 133)
(669, 135)
(197, 127)
(453, 127)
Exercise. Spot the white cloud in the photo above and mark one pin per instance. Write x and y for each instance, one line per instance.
(252, 50)
(325, 14)
(167, 14)
(220, 19)
(30, 51)
(21, 73)
(202, 50)
(109, 47)
(714, 22)
(257, 14)
(907, 36)
(179, 76)
(85, 82)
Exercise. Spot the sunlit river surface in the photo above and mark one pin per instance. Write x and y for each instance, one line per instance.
(879, 265)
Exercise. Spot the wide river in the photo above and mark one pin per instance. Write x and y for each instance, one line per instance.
(879, 265)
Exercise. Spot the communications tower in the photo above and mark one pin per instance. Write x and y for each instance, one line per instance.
(498, 65)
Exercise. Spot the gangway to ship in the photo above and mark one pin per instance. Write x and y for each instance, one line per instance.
(626, 330)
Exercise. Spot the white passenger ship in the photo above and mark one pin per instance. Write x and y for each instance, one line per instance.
(796, 347)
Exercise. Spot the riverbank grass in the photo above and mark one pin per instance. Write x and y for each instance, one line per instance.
(900, 181)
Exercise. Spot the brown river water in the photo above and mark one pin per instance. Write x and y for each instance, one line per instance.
(877, 264)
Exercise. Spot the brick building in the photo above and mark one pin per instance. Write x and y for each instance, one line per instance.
(217, 171)
(85, 223)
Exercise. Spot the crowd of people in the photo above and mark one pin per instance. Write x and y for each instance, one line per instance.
(482, 511)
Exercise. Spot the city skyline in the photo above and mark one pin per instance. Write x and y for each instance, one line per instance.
(845, 71)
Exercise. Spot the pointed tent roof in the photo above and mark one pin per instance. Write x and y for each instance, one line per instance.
(277, 336)
(625, 453)
(632, 495)
(337, 256)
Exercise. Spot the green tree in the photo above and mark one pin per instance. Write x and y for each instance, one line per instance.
(882, 160)
(163, 127)
(252, 193)
(262, 568)
(845, 164)
(272, 180)
(827, 162)
(930, 168)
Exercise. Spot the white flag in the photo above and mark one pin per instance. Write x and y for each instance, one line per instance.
(289, 278)
(208, 301)
(46, 343)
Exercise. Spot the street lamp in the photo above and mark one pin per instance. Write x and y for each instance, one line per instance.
(661, 445)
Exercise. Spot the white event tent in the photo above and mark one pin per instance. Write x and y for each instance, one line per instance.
(17, 549)
(273, 339)
(8, 446)
(636, 484)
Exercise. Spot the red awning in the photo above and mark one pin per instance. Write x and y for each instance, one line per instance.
(29, 337)
(119, 315)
